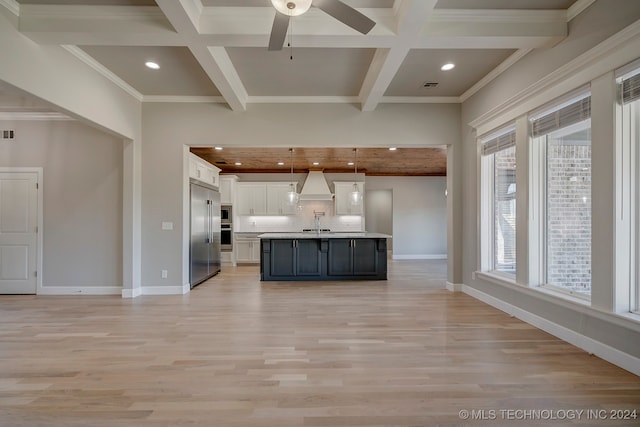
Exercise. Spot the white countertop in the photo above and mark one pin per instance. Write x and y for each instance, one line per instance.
(324, 235)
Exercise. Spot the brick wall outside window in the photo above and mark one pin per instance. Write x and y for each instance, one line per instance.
(569, 215)
(504, 208)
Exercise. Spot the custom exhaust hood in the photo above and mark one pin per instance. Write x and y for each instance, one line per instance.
(315, 187)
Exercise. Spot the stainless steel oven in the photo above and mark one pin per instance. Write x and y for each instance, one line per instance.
(226, 237)
(226, 214)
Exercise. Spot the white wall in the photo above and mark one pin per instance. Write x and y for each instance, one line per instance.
(82, 189)
(378, 209)
(57, 77)
(537, 78)
(419, 214)
(168, 127)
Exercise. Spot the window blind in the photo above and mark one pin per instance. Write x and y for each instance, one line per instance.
(562, 117)
(631, 89)
(498, 143)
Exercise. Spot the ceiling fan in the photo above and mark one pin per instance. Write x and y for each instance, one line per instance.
(285, 9)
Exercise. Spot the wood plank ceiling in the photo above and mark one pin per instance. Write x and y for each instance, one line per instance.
(371, 161)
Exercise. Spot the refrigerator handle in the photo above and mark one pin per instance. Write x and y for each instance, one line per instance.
(211, 220)
(208, 221)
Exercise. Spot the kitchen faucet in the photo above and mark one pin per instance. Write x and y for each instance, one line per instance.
(316, 220)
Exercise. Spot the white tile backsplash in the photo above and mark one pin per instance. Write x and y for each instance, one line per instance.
(304, 219)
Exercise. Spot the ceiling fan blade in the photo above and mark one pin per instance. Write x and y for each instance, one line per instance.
(346, 14)
(278, 31)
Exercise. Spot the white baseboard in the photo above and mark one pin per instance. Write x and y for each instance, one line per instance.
(591, 346)
(131, 293)
(418, 256)
(156, 290)
(454, 287)
(80, 290)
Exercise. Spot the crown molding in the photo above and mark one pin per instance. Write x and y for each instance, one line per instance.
(12, 6)
(493, 74)
(502, 16)
(577, 8)
(511, 107)
(184, 99)
(33, 116)
(420, 100)
(87, 59)
(303, 100)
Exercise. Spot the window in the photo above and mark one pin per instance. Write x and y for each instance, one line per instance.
(561, 189)
(499, 199)
(629, 93)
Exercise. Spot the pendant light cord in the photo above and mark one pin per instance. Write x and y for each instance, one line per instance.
(291, 151)
(291, 37)
(355, 164)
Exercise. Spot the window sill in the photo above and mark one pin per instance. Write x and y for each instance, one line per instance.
(626, 319)
(497, 278)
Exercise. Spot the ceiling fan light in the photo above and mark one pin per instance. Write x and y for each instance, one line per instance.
(291, 7)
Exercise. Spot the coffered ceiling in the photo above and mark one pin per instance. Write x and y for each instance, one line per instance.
(216, 50)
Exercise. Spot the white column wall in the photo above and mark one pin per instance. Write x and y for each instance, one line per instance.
(55, 76)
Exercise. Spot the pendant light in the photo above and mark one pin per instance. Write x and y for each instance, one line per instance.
(356, 196)
(292, 195)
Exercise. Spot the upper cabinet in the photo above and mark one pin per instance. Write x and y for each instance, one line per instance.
(227, 189)
(203, 171)
(263, 198)
(277, 201)
(251, 198)
(344, 206)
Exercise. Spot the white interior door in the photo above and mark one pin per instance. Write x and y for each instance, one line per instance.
(18, 232)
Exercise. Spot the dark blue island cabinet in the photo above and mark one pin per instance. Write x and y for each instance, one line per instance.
(324, 256)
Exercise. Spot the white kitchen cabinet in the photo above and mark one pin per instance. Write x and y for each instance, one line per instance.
(277, 200)
(247, 249)
(343, 199)
(251, 198)
(203, 171)
(227, 189)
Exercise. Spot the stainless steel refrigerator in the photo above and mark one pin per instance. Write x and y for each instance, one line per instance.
(205, 232)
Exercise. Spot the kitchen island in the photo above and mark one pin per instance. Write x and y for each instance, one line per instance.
(323, 256)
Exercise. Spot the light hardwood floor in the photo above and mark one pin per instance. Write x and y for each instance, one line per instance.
(238, 352)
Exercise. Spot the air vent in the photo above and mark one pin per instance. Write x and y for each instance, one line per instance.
(221, 163)
(7, 134)
(429, 84)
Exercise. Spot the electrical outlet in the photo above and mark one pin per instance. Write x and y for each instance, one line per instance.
(165, 273)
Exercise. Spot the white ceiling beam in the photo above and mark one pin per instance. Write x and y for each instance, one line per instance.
(247, 27)
(100, 25)
(184, 16)
(411, 18)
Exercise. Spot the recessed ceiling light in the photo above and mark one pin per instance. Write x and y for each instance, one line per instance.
(218, 148)
(316, 163)
(152, 65)
(280, 163)
(393, 148)
(350, 164)
(238, 164)
(447, 67)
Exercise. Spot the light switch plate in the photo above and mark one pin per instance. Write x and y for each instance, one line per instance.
(167, 225)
